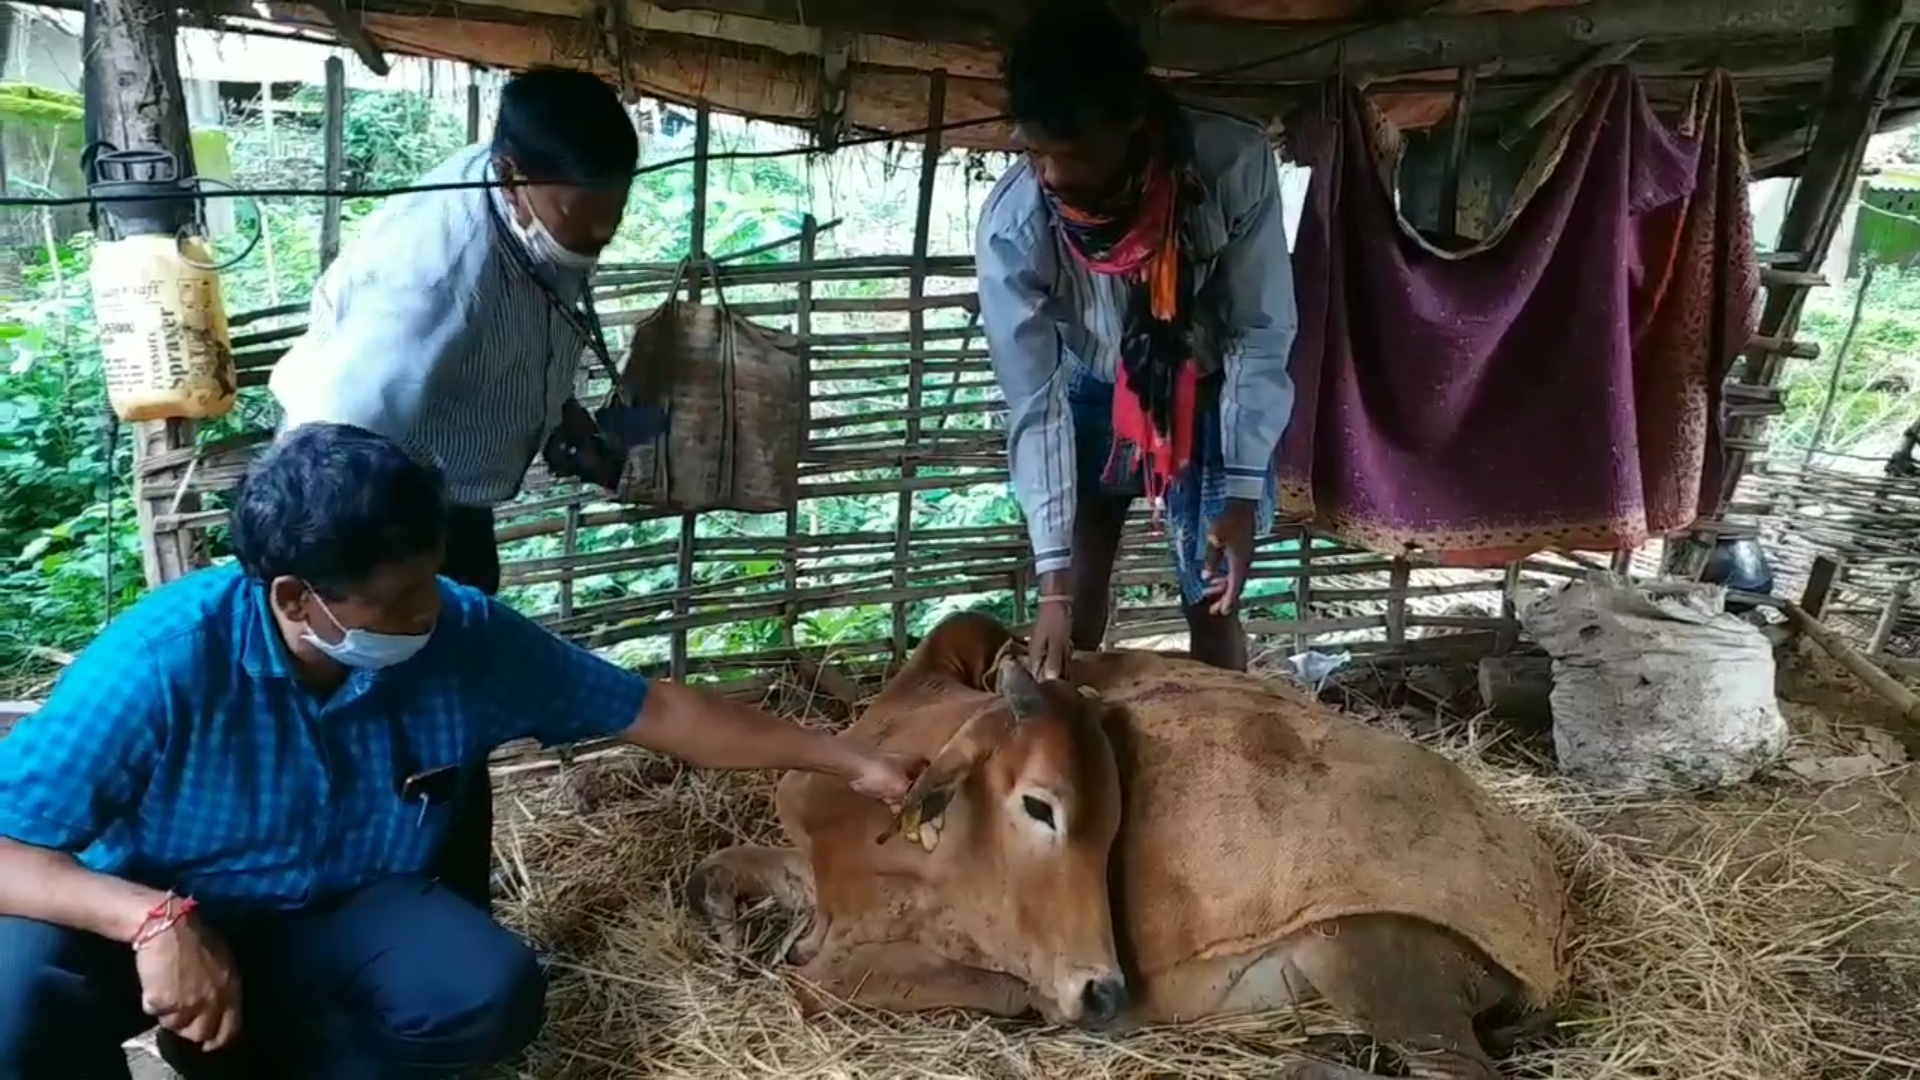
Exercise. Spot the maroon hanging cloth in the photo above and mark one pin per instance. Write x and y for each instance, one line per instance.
(1557, 386)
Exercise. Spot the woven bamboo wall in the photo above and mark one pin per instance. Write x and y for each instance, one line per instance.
(1870, 526)
(888, 416)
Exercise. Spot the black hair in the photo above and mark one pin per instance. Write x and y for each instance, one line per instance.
(332, 503)
(566, 127)
(1077, 62)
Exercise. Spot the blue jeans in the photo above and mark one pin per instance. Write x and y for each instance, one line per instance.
(1195, 498)
(402, 980)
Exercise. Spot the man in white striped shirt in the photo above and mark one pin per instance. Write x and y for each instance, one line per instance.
(1137, 298)
(455, 322)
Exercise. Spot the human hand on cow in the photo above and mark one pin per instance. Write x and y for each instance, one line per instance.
(886, 776)
(188, 983)
(1229, 556)
(1051, 645)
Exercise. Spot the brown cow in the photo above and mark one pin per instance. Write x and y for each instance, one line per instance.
(1270, 849)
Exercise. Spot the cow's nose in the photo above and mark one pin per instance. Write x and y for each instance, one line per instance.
(1103, 999)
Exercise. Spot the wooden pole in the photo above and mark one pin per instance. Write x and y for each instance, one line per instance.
(1868, 53)
(1863, 669)
(697, 249)
(1563, 88)
(334, 120)
(473, 106)
(1890, 616)
(916, 346)
(1465, 82)
(142, 106)
(803, 331)
(1819, 589)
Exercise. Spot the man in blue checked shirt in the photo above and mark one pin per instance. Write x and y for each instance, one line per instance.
(222, 820)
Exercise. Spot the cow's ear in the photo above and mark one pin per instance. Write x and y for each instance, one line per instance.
(936, 785)
(1021, 691)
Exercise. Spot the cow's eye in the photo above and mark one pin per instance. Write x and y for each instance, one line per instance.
(1038, 809)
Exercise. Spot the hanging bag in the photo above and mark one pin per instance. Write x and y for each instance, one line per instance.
(733, 397)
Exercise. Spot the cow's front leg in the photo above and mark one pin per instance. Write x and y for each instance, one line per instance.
(728, 881)
(903, 977)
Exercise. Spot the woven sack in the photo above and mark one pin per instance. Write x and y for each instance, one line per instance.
(734, 399)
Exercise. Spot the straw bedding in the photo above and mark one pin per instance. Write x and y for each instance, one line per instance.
(1722, 938)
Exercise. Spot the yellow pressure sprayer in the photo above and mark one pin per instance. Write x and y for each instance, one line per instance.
(156, 293)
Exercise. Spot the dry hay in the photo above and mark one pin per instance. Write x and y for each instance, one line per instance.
(1710, 945)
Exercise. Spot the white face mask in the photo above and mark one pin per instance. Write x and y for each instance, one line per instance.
(366, 648)
(543, 248)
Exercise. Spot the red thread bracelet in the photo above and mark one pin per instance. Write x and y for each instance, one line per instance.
(162, 917)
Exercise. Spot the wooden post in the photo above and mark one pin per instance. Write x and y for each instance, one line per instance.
(916, 349)
(1890, 616)
(1877, 680)
(1303, 588)
(1563, 88)
(1398, 578)
(569, 547)
(143, 106)
(1866, 56)
(334, 120)
(1820, 582)
(1466, 80)
(696, 249)
(473, 106)
(803, 331)
(1509, 633)
(1622, 562)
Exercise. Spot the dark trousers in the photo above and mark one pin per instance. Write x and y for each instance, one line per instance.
(399, 981)
(466, 862)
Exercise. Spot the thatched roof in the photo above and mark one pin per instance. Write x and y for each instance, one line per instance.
(863, 64)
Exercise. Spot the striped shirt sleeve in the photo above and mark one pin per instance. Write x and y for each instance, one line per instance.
(1256, 400)
(1015, 262)
(377, 339)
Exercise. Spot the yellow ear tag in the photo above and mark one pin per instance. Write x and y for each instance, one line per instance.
(910, 823)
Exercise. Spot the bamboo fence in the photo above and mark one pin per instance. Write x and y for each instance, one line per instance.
(896, 408)
(1870, 527)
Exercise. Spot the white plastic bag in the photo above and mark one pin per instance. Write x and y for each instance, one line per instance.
(1655, 687)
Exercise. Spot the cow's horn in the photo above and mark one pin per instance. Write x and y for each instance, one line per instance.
(1021, 691)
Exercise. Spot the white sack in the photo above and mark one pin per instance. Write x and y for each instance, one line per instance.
(1655, 687)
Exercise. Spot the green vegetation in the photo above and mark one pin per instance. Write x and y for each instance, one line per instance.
(1874, 397)
(39, 104)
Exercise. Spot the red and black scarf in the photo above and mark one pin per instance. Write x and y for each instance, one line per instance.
(1143, 242)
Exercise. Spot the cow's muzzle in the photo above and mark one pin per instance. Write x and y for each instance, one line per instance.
(1102, 1001)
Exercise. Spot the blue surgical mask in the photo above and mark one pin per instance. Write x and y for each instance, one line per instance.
(368, 649)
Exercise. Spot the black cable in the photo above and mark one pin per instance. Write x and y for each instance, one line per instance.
(113, 470)
(729, 155)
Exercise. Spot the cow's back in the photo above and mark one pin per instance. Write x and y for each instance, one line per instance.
(1253, 812)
